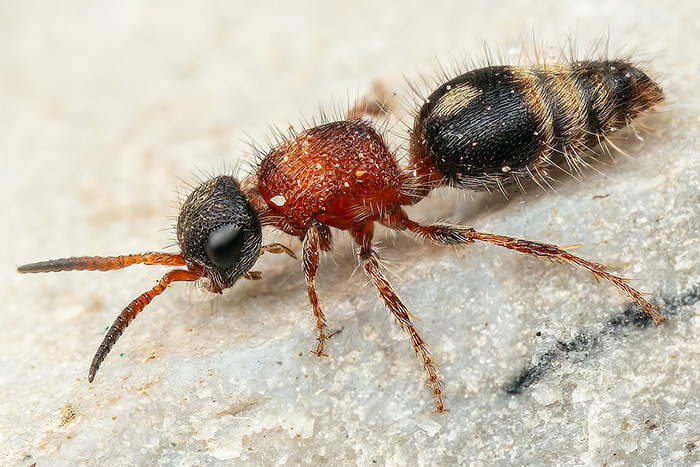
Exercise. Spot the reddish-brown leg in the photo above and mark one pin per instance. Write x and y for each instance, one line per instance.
(309, 261)
(446, 234)
(277, 248)
(132, 310)
(102, 263)
(369, 259)
(375, 104)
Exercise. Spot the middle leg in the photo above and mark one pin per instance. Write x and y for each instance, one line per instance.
(369, 259)
(309, 262)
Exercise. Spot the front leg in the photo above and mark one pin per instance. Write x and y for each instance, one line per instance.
(277, 248)
(309, 262)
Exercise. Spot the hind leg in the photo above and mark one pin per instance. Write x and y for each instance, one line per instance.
(447, 234)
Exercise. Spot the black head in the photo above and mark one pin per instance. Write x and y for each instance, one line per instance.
(219, 230)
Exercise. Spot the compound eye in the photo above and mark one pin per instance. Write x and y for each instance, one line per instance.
(224, 246)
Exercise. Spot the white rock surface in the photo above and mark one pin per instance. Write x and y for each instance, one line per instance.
(104, 105)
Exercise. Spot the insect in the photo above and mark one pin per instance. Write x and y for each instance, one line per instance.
(485, 128)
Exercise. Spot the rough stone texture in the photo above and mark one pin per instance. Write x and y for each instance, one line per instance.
(104, 105)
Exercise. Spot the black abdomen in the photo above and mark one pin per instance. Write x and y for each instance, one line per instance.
(489, 126)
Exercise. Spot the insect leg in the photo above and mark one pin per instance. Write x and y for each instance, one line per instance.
(278, 248)
(309, 261)
(446, 234)
(376, 103)
(369, 259)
